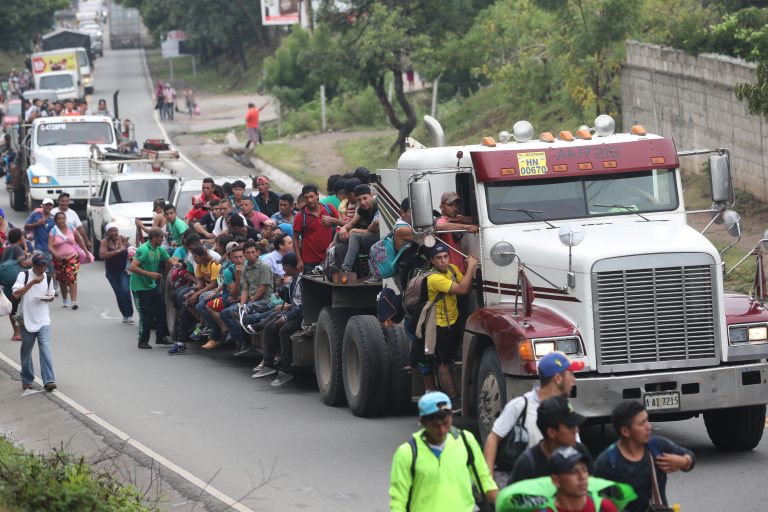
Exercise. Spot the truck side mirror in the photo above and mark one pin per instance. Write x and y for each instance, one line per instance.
(420, 192)
(96, 201)
(720, 182)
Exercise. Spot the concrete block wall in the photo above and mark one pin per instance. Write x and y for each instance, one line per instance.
(692, 99)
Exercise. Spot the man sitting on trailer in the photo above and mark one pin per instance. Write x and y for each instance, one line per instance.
(362, 231)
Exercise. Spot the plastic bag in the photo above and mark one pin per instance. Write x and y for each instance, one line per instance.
(5, 305)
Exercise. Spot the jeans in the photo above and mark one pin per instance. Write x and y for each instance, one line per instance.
(120, 283)
(151, 314)
(358, 242)
(280, 336)
(231, 317)
(43, 337)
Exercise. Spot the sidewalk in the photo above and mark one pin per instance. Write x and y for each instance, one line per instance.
(40, 422)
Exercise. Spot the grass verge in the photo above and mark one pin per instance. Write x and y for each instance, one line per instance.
(60, 482)
(370, 152)
(288, 159)
(10, 60)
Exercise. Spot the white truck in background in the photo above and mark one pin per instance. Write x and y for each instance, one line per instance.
(66, 71)
(124, 27)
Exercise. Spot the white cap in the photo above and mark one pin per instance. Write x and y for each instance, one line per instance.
(47, 200)
(110, 226)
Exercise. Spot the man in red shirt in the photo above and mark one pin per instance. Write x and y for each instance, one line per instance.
(252, 124)
(450, 206)
(312, 236)
(570, 475)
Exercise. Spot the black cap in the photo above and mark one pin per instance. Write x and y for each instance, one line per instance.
(556, 410)
(564, 459)
(289, 258)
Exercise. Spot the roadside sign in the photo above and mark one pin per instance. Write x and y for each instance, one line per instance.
(280, 12)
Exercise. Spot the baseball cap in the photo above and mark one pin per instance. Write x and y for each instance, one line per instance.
(558, 409)
(290, 259)
(231, 246)
(2, 213)
(449, 198)
(39, 259)
(563, 459)
(437, 249)
(47, 200)
(433, 403)
(556, 362)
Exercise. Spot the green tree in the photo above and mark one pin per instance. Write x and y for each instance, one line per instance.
(22, 19)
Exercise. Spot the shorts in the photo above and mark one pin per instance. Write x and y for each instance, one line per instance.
(216, 304)
(448, 341)
(253, 134)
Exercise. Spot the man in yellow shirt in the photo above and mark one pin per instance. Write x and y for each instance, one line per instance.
(206, 275)
(442, 288)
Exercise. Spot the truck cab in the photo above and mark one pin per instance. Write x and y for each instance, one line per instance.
(66, 71)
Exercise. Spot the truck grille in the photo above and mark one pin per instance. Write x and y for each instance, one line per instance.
(71, 167)
(649, 317)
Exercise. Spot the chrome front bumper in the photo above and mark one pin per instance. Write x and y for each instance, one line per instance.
(700, 390)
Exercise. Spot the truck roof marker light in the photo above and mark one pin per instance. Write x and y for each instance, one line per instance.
(504, 136)
(525, 350)
(637, 130)
(488, 141)
(547, 137)
(658, 160)
(609, 164)
(522, 131)
(566, 136)
(585, 166)
(604, 125)
(560, 168)
(583, 134)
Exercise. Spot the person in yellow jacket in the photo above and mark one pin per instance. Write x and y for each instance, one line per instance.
(439, 465)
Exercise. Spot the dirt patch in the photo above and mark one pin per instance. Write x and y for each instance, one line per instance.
(322, 157)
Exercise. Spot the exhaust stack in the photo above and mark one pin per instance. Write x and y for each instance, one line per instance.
(435, 131)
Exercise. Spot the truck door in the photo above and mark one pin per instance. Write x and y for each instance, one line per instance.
(470, 243)
(97, 212)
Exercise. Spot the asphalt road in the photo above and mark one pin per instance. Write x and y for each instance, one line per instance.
(202, 411)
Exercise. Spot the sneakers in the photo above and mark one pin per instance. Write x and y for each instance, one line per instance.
(163, 340)
(282, 378)
(145, 345)
(25, 387)
(128, 320)
(75, 307)
(242, 349)
(66, 303)
(197, 334)
(258, 367)
(266, 371)
(49, 386)
(178, 348)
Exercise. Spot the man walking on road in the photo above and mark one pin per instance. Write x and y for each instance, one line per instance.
(34, 289)
(146, 273)
(436, 469)
(640, 459)
(252, 124)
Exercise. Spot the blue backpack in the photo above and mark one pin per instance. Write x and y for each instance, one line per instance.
(383, 258)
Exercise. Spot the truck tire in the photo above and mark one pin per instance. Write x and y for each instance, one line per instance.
(18, 197)
(366, 366)
(736, 429)
(328, 342)
(491, 392)
(398, 348)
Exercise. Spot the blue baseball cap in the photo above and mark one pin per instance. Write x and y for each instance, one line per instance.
(433, 403)
(556, 362)
(437, 249)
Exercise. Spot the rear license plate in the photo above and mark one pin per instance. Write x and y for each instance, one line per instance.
(659, 401)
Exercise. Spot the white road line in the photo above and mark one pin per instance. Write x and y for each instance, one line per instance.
(157, 116)
(186, 475)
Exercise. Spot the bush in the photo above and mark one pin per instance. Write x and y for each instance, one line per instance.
(60, 482)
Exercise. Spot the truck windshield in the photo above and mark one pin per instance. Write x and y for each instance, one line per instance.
(56, 82)
(60, 134)
(579, 197)
(137, 191)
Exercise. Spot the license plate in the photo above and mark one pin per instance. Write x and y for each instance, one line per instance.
(659, 401)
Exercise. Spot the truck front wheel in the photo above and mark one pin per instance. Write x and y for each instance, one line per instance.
(328, 338)
(736, 429)
(366, 366)
(491, 391)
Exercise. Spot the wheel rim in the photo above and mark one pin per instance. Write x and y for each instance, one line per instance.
(489, 402)
(352, 368)
(323, 350)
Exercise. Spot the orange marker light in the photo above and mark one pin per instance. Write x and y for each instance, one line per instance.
(488, 141)
(585, 166)
(637, 130)
(584, 134)
(525, 350)
(609, 164)
(566, 136)
(560, 168)
(658, 160)
(507, 171)
(547, 137)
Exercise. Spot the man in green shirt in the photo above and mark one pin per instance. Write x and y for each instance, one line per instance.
(147, 270)
(448, 461)
(176, 226)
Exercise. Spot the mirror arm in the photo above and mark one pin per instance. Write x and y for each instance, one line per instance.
(750, 253)
(729, 247)
(562, 288)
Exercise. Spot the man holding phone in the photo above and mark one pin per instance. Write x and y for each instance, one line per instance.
(34, 289)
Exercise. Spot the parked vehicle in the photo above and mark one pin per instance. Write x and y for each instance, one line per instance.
(61, 63)
(67, 38)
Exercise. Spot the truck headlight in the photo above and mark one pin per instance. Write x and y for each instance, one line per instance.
(40, 180)
(757, 333)
(122, 222)
(570, 345)
(87, 80)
